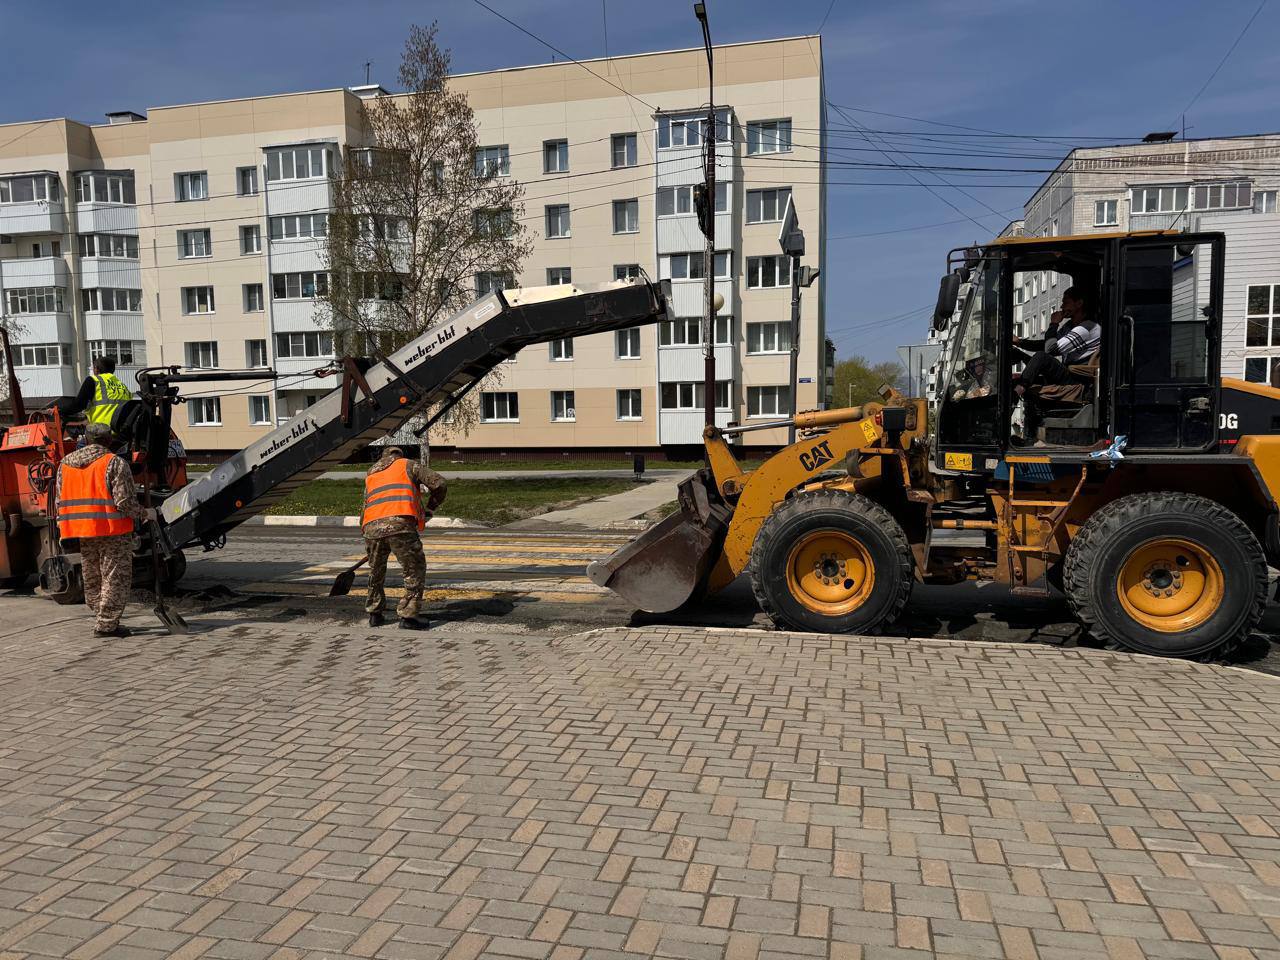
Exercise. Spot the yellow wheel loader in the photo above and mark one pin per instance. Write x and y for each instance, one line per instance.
(1132, 477)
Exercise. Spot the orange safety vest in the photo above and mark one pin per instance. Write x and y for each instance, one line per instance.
(86, 507)
(392, 493)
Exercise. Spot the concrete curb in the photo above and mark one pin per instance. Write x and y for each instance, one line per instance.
(303, 520)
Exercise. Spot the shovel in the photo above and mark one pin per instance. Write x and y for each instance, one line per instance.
(171, 619)
(343, 581)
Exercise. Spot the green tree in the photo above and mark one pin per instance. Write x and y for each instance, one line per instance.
(858, 380)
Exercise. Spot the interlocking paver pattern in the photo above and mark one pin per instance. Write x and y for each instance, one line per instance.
(285, 792)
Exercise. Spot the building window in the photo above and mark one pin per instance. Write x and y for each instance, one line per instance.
(253, 299)
(127, 353)
(250, 239)
(626, 271)
(197, 300)
(629, 405)
(294, 346)
(687, 130)
(687, 332)
(624, 150)
(1264, 201)
(298, 163)
(111, 299)
(204, 411)
(767, 206)
(773, 271)
(1171, 199)
(562, 406)
(494, 222)
(102, 188)
(247, 181)
(627, 344)
(34, 300)
(555, 156)
(769, 136)
(487, 281)
(768, 401)
(259, 410)
(1223, 196)
(493, 161)
(194, 243)
(557, 221)
(691, 396)
(255, 353)
(678, 201)
(29, 189)
(1104, 213)
(115, 245)
(691, 266)
(42, 354)
(1262, 325)
(296, 227)
(562, 349)
(499, 407)
(772, 337)
(558, 276)
(201, 353)
(191, 186)
(626, 216)
(299, 286)
(1262, 370)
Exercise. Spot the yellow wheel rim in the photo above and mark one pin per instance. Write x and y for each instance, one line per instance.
(830, 572)
(1170, 585)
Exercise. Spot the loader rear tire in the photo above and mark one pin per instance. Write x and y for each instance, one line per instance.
(831, 562)
(1168, 574)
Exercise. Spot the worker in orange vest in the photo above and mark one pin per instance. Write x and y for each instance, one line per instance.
(97, 505)
(392, 522)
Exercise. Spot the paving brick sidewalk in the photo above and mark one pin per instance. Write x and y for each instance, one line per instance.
(279, 791)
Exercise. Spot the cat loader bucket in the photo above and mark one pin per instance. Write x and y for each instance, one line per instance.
(664, 567)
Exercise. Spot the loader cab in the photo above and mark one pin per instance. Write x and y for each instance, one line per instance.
(1153, 378)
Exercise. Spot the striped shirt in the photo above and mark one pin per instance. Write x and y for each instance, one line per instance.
(1079, 343)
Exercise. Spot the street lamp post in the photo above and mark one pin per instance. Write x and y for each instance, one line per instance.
(707, 216)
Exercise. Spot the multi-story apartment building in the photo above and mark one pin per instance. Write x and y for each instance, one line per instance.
(1227, 184)
(194, 235)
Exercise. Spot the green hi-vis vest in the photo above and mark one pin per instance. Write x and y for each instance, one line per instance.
(109, 395)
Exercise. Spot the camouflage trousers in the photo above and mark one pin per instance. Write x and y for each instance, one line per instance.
(413, 563)
(106, 564)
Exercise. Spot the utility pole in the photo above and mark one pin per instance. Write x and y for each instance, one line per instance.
(707, 218)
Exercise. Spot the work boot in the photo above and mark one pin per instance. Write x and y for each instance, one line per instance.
(116, 631)
(413, 623)
(377, 619)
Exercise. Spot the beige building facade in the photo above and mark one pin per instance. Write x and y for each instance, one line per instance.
(194, 236)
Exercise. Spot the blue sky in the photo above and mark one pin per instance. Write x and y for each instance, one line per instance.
(1088, 68)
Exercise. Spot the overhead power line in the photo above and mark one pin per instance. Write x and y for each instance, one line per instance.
(555, 49)
(1225, 57)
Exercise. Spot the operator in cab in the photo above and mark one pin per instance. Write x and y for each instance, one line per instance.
(392, 522)
(97, 504)
(1073, 336)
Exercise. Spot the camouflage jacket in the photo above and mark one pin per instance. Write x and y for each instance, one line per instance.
(424, 476)
(119, 478)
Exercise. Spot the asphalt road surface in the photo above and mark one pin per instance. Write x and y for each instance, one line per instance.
(536, 582)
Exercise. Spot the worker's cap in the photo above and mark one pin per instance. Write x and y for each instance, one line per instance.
(394, 452)
(97, 433)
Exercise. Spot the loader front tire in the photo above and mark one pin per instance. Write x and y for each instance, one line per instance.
(1168, 574)
(831, 562)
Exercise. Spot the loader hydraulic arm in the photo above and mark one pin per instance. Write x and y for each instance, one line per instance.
(448, 358)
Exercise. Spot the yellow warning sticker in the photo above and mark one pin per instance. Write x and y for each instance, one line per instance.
(869, 431)
(957, 461)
